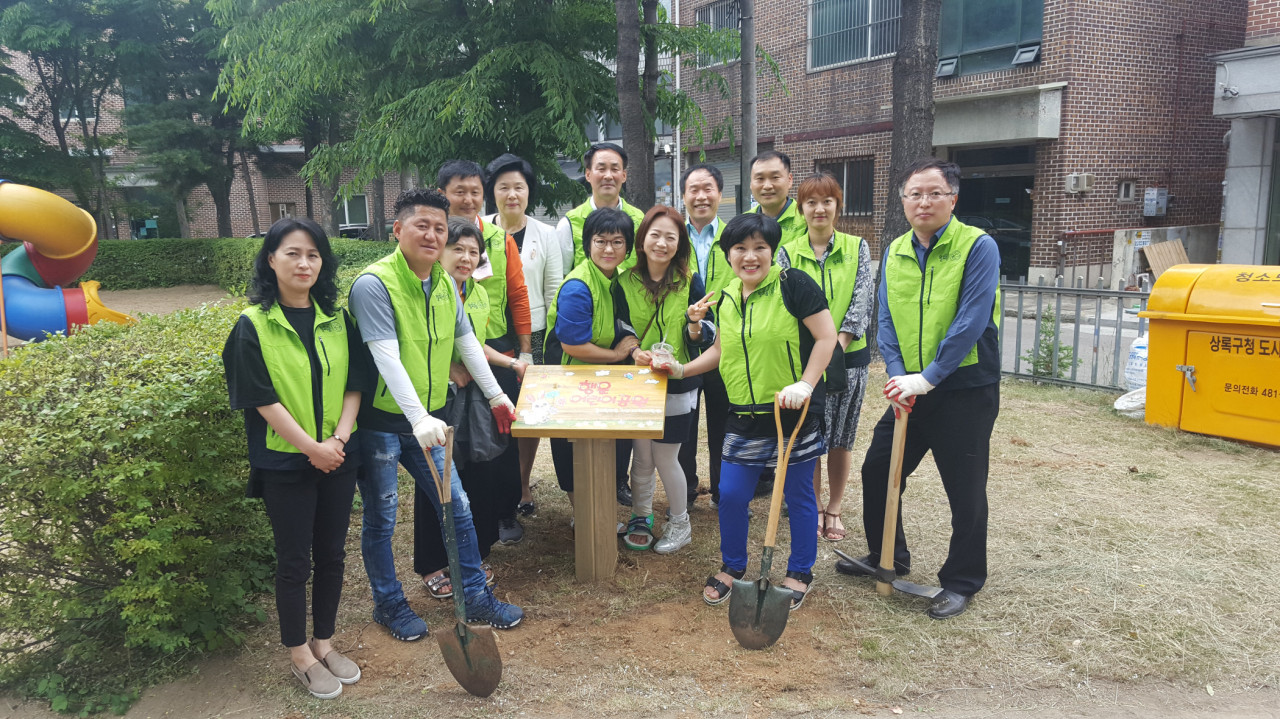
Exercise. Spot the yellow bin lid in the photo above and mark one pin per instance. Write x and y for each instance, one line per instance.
(1228, 294)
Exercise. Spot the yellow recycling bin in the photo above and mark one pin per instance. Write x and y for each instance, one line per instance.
(1213, 353)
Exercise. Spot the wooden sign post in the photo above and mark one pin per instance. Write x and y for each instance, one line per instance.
(592, 405)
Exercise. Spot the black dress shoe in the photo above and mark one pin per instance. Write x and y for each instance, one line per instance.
(947, 605)
(844, 566)
(624, 495)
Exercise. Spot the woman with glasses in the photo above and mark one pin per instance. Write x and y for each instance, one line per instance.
(582, 327)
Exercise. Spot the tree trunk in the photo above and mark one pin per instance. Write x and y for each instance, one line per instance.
(184, 222)
(913, 70)
(332, 201)
(248, 184)
(377, 209)
(747, 32)
(635, 137)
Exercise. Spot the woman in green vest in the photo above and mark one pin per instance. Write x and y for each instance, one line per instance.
(293, 364)
(661, 298)
(774, 338)
(582, 325)
(841, 265)
(460, 259)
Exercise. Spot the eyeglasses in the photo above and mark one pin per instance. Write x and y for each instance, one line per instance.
(933, 196)
(601, 244)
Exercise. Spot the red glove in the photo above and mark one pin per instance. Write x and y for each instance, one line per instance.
(504, 413)
(900, 405)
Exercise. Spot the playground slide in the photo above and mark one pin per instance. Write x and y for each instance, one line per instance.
(60, 241)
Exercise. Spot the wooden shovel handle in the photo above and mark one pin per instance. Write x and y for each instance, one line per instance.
(888, 540)
(780, 473)
(442, 488)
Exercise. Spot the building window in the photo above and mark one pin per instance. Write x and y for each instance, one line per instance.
(719, 15)
(281, 210)
(355, 211)
(845, 31)
(857, 182)
(1124, 192)
(986, 35)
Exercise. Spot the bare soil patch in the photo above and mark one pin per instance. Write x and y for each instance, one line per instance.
(163, 300)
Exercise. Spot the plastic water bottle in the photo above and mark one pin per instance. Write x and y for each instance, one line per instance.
(1135, 369)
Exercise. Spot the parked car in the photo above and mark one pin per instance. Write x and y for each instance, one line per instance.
(361, 231)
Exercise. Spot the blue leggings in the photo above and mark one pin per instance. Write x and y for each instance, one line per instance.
(738, 485)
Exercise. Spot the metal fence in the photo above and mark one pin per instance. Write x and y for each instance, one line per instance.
(1069, 335)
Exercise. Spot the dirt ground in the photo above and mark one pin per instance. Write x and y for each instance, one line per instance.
(1102, 601)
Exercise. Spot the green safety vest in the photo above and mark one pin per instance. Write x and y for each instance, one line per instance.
(424, 328)
(578, 217)
(495, 242)
(791, 222)
(719, 273)
(836, 276)
(285, 357)
(657, 318)
(923, 303)
(476, 305)
(602, 322)
(759, 343)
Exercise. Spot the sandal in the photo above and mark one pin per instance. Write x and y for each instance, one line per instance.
(822, 524)
(830, 533)
(641, 527)
(438, 586)
(724, 590)
(797, 596)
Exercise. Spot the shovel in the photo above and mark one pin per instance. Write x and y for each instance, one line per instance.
(471, 654)
(886, 578)
(758, 610)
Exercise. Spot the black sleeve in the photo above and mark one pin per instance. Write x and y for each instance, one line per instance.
(621, 314)
(360, 375)
(802, 295)
(248, 381)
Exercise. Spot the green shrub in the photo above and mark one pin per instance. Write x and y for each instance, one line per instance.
(125, 537)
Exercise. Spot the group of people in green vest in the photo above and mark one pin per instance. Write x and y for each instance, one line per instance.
(774, 305)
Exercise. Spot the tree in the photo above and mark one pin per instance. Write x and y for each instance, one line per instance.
(24, 156)
(913, 69)
(637, 102)
(74, 58)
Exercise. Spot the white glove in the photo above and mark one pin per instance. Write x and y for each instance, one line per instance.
(905, 386)
(672, 369)
(429, 432)
(793, 395)
(526, 357)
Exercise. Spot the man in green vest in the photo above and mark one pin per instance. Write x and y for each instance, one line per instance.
(605, 169)
(411, 320)
(510, 323)
(939, 336)
(771, 181)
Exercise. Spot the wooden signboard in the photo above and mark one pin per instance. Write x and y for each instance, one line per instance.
(592, 405)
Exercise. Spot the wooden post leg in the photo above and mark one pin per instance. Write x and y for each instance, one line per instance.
(595, 498)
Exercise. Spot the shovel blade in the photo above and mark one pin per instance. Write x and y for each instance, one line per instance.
(472, 657)
(758, 612)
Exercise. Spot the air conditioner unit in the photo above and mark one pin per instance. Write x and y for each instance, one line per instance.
(1079, 182)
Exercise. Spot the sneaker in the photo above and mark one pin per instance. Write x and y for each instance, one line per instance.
(510, 531)
(499, 615)
(342, 668)
(401, 621)
(677, 534)
(318, 680)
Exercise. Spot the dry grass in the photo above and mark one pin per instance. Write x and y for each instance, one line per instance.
(1118, 552)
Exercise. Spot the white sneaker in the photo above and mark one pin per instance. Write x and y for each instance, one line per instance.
(676, 534)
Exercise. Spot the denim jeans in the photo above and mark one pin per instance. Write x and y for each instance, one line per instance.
(738, 485)
(381, 452)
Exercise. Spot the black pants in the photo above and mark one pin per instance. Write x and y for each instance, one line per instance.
(309, 519)
(493, 488)
(689, 452)
(717, 401)
(956, 426)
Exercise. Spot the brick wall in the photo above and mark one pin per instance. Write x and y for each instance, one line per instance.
(1138, 107)
(1264, 22)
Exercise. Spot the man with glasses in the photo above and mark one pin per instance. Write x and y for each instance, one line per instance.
(938, 333)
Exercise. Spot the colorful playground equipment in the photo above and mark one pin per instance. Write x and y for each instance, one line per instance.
(60, 241)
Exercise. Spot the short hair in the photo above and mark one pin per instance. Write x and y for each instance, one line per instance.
(608, 221)
(950, 172)
(591, 152)
(743, 227)
(771, 155)
(821, 185)
(460, 228)
(458, 170)
(420, 197)
(678, 270)
(505, 163)
(264, 289)
(711, 170)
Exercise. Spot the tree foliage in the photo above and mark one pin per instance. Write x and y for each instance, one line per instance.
(24, 156)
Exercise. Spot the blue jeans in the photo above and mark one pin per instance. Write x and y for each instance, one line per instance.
(381, 453)
(738, 485)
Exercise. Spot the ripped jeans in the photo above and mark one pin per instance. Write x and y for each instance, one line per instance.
(381, 453)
